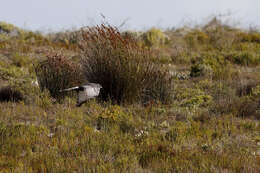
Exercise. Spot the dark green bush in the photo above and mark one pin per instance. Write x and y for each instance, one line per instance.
(124, 69)
(10, 94)
(57, 72)
(200, 70)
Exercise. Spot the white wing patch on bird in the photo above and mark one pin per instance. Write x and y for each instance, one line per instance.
(85, 92)
(69, 89)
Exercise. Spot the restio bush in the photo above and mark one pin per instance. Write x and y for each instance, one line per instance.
(124, 69)
(57, 72)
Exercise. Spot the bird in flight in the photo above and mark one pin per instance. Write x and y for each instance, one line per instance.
(85, 92)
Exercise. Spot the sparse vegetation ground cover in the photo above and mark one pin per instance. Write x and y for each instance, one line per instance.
(179, 100)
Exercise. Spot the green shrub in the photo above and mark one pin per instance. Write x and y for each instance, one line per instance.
(154, 38)
(8, 28)
(20, 61)
(213, 65)
(113, 116)
(195, 38)
(256, 91)
(124, 69)
(249, 37)
(200, 100)
(57, 72)
(12, 72)
(189, 97)
(245, 58)
(201, 70)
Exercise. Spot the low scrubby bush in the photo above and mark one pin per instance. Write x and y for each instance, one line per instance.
(201, 70)
(154, 38)
(245, 87)
(245, 58)
(249, 37)
(220, 35)
(188, 97)
(213, 65)
(196, 38)
(57, 72)
(124, 69)
(20, 61)
(10, 94)
(248, 107)
(8, 28)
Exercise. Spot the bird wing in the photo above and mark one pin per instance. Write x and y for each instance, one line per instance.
(82, 96)
(69, 89)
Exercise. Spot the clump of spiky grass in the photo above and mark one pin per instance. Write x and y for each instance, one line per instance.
(57, 72)
(124, 69)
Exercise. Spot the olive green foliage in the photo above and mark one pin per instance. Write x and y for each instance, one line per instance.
(8, 28)
(244, 58)
(189, 97)
(21, 61)
(189, 105)
(196, 38)
(213, 65)
(154, 38)
(249, 37)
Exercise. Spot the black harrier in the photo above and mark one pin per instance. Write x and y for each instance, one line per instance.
(85, 92)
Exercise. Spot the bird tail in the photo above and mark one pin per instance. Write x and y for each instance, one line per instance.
(69, 89)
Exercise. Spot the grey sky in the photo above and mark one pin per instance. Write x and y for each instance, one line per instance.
(138, 14)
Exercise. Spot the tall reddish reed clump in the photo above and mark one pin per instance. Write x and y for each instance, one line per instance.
(124, 69)
(57, 72)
